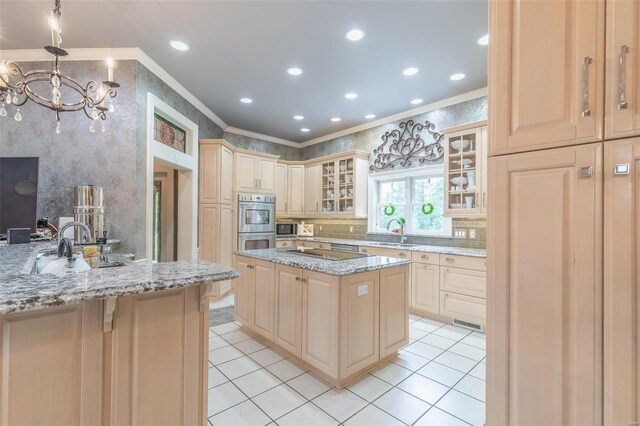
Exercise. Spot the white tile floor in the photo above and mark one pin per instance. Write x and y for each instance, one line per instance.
(439, 379)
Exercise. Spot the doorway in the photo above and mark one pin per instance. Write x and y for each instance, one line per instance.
(165, 217)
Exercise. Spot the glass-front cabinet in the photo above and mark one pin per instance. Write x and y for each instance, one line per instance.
(465, 159)
(340, 183)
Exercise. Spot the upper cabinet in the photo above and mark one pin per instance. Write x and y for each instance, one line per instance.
(546, 73)
(623, 69)
(290, 189)
(216, 170)
(281, 189)
(465, 153)
(255, 173)
(343, 185)
(312, 189)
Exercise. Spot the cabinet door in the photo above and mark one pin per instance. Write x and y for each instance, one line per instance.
(295, 190)
(281, 189)
(463, 169)
(245, 291)
(312, 189)
(484, 167)
(288, 318)
(52, 366)
(209, 232)
(394, 309)
(425, 288)
(359, 322)
(267, 175)
(546, 74)
(246, 172)
(320, 303)
(330, 188)
(464, 281)
(544, 316)
(622, 284)
(210, 174)
(622, 93)
(263, 318)
(226, 175)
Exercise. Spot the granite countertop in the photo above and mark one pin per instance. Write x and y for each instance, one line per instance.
(21, 291)
(460, 251)
(290, 258)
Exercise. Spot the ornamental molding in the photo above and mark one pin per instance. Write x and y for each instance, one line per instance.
(405, 144)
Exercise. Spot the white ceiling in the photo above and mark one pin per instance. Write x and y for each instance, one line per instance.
(243, 49)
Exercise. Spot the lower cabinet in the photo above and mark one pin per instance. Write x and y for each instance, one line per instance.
(337, 326)
(215, 236)
(425, 288)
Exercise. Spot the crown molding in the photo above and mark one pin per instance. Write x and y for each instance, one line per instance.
(122, 54)
(463, 97)
(260, 136)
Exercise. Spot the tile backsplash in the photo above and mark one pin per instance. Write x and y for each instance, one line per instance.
(356, 229)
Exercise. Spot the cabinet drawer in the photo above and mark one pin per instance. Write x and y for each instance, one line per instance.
(312, 244)
(281, 244)
(428, 258)
(399, 254)
(466, 262)
(463, 281)
(466, 308)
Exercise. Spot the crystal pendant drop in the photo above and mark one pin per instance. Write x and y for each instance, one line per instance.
(94, 114)
(92, 127)
(111, 107)
(18, 116)
(104, 127)
(15, 98)
(3, 111)
(58, 128)
(55, 80)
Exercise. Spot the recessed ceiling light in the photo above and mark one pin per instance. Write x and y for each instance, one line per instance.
(294, 71)
(484, 40)
(335, 119)
(457, 76)
(410, 71)
(354, 34)
(351, 95)
(370, 116)
(179, 45)
(304, 129)
(298, 117)
(246, 100)
(416, 101)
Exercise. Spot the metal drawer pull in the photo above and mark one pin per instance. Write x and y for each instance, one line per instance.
(298, 279)
(364, 251)
(586, 112)
(622, 77)
(250, 266)
(450, 259)
(401, 254)
(622, 169)
(585, 172)
(424, 256)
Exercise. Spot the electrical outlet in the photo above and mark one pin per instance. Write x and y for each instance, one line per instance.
(351, 229)
(363, 289)
(460, 233)
(472, 234)
(320, 228)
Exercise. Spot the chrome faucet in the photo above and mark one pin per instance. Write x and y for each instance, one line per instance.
(65, 248)
(403, 236)
(85, 228)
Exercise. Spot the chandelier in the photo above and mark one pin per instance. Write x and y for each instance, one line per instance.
(44, 87)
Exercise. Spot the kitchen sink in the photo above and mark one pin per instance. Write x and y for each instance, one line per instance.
(51, 257)
(328, 254)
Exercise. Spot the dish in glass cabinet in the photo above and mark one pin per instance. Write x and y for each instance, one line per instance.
(456, 205)
(459, 180)
(460, 145)
(465, 163)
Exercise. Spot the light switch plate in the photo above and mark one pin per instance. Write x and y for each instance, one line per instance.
(363, 289)
(460, 233)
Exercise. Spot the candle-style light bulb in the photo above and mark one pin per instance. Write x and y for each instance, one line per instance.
(3, 74)
(55, 30)
(110, 69)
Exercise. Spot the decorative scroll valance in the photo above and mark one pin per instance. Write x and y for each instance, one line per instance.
(405, 145)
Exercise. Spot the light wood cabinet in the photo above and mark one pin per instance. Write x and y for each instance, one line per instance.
(546, 74)
(216, 171)
(621, 282)
(281, 189)
(394, 310)
(622, 116)
(397, 253)
(465, 153)
(264, 299)
(255, 173)
(462, 307)
(312, 189)
(544, 314)
(52, 361)
(288, 309)
(425, 288)
(244, 297)
(343, 185)
(320, 316)
(215, 236)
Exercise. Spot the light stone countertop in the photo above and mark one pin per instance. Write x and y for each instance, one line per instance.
(21, 291)
(345, 267)
(460, 251)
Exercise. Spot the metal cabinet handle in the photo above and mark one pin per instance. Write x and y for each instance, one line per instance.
(424, 256)
(402, 254)
(450, 259)
(586, 112)
(298, 279)
(364, 251)
(250, 266)
(304, 280)
(321, 246)
(622, 77)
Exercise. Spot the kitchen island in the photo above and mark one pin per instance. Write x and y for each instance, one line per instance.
(338, 317)
(123, 345)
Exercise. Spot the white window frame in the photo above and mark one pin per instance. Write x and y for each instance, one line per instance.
(408, 175)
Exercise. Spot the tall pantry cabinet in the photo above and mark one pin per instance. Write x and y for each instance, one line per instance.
(563, 320)
(215, 212)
